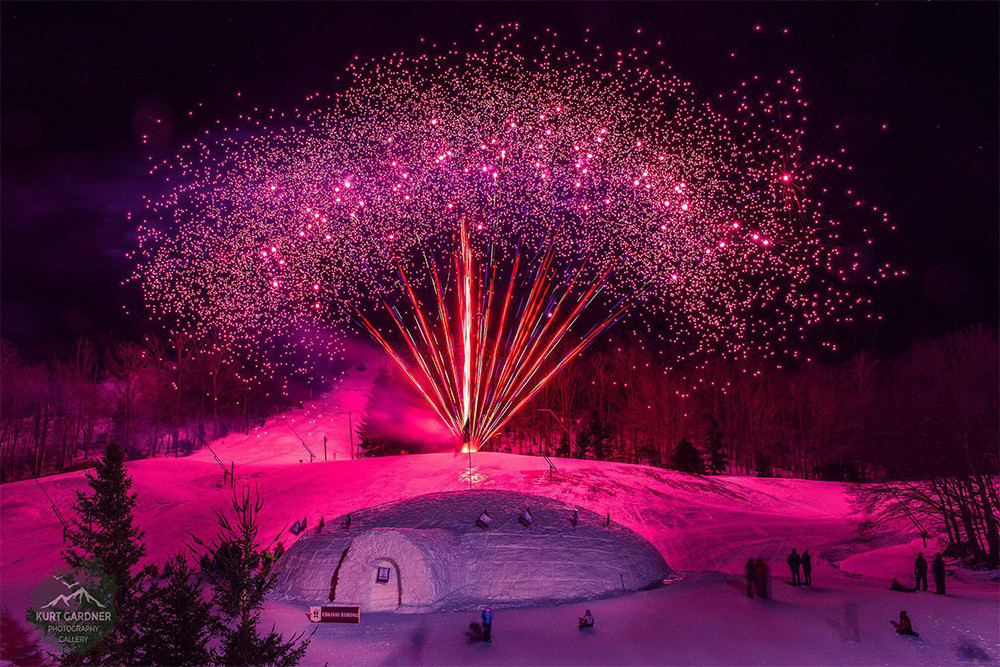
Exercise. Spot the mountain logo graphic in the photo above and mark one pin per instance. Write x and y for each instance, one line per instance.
(74, 600)
(73, 609)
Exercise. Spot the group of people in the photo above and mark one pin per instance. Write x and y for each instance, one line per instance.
(758, 576)
(801, 567)
(920, 573)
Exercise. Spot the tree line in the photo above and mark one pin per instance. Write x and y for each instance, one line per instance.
(156, 397)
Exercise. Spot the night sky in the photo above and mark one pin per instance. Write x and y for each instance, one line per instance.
(78, 80)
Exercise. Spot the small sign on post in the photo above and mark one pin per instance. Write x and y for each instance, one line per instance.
(335, 614)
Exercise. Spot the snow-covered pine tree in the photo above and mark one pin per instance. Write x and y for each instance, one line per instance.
(105, 532)
(239, 571)
(370, 440)
(179, 625)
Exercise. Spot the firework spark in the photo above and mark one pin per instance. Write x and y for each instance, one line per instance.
(721, 230)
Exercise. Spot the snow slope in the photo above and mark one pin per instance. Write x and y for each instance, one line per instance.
(705, 528)
(289, 437)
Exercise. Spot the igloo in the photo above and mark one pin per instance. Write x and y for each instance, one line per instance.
(429, 554)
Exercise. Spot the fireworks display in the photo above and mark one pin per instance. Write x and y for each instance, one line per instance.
(521, 176)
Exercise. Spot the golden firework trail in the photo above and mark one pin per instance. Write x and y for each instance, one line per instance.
(476, 362)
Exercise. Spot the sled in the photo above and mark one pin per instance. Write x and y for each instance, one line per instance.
(911, 633)
(585, 626)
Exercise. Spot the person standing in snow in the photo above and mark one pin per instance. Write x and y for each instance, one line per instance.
(938, 568)
(807, 568)
(920, 572)
(487, 624)
(763, 578)
(794, 562)
(750, 572)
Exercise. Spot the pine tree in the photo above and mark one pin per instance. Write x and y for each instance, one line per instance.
(239, 571)
(179, 625)
(594, 440)
(585, 444)
(564, 445)
(716, 457)
(105, 533)
(687, 458)
(370, 440)
(17, 646)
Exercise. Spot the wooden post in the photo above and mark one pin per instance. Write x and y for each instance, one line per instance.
(232, 474)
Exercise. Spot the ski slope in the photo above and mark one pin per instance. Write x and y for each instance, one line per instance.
(705, 528)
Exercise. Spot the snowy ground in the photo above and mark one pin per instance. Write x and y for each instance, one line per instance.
(705, 528)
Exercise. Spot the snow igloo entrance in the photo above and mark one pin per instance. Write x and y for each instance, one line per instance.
(383, 570)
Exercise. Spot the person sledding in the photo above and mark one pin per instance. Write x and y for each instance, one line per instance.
(587, 621)
(904, 627)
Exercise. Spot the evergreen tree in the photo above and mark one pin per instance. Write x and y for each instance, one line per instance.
(585, 444)
(687, 458)
(716, 457)
(372, 439)
(105, 533)
(239, 570)
(180, 624)
(564, 445)
(594, 440)
(17, 645)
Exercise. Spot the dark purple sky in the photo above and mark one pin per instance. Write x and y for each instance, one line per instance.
(77, 80)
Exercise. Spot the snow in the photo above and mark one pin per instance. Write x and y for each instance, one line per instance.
(441, 560)
(705, 529)
(279, 441)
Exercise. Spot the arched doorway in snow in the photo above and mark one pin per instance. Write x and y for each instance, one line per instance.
(406, 579)
(385, 591)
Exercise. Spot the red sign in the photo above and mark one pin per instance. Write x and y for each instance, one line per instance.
(335, 614)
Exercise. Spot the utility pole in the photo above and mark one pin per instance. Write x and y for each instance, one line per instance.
(467, 442)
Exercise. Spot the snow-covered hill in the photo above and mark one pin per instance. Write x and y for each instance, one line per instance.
(298, 434)
(705, 528)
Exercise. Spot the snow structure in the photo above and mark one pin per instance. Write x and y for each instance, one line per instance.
(438, 558)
